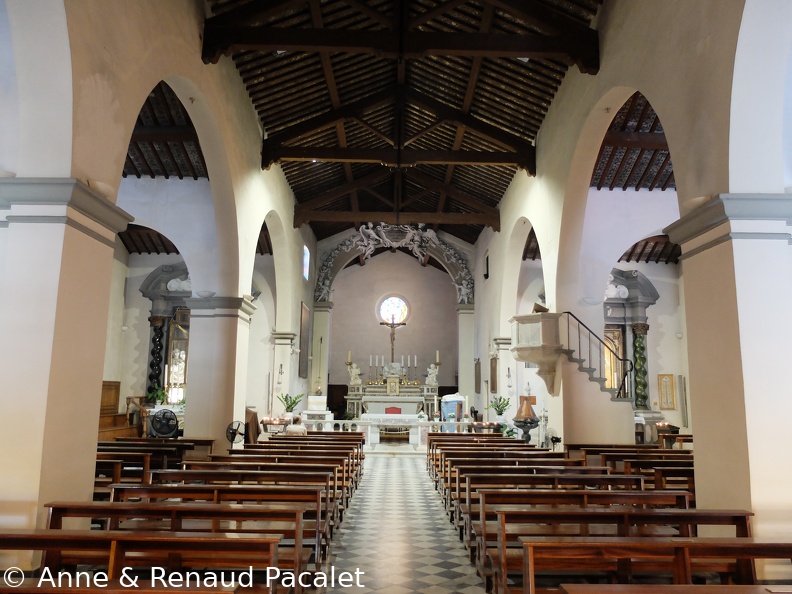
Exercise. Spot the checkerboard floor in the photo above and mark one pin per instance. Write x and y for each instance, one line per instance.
(397, 533)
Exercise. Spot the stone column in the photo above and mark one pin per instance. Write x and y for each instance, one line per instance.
(317, 380)
(465, 353)
(155, 378)
(736, 258)
(283, 369)
(217, 366)
(56, 258)
(640, 330)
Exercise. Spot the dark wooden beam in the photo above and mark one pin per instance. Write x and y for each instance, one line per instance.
(493, 133)
(397, 218)
(222, 40)
(440, 10)
(347, 188)
(452, 192)
(329, 118)
(396, 158)
(254, 12)
(638, 140)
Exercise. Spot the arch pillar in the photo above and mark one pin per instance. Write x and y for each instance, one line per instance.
(465, 351)
(736, 261)
(217, 374)
(56, 257)
(323, 317)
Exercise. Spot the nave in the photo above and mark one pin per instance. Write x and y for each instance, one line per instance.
(397, 532)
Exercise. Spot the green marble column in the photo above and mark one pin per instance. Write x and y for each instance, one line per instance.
(640, 331)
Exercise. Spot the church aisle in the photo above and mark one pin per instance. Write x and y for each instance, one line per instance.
(398, 534)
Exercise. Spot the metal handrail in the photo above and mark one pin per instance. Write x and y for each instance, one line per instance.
(627, 364)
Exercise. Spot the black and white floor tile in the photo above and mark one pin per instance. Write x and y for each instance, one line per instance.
(397, 533)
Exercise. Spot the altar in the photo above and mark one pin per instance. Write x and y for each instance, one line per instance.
(391, 393)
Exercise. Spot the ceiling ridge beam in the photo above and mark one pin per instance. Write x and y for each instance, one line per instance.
(302, 216)
(220, 40)
(396, 158)
(640, 140)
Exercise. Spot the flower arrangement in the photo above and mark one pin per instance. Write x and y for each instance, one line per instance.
(290, 402)
(451, 416)
(436, 414)
(499, 404)
(466, 416)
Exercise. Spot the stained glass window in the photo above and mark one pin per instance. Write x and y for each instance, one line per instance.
(394, 309)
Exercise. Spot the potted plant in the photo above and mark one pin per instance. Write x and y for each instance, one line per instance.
(452, 417)
(466, 417)
(499, 404)
(290, 402)
(158, 394)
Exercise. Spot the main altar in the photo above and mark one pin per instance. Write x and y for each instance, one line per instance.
(391, 392)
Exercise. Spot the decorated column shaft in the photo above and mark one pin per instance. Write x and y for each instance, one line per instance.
(155, 362)
(640, 331)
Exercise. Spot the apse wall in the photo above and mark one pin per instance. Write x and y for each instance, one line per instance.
(432, 325)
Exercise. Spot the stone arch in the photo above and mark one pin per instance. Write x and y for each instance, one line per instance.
(760, 131)
(512, 260)
(285, 267)
(577, 189)
(421, 243)
(42, 144)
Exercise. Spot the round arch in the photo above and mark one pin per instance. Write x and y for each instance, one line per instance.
(421, 243)
(285, 265)
(512, 261)
(760, 132)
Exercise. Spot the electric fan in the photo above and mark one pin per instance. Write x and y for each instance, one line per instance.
(235, 432)
(551, 438)
(164, 423)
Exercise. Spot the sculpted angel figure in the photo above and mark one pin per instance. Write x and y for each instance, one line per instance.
(431, 375)
(354, 375)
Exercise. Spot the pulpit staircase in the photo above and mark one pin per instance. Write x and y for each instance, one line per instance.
(543, 338)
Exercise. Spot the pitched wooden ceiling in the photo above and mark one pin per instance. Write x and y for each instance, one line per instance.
(414, 111)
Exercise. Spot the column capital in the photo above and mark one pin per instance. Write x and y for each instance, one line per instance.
(465, 309)
(323, 306)
(220, 307)
(723, 210)
(640, 328)
(283, 338)
(24, 193)
(157, 321)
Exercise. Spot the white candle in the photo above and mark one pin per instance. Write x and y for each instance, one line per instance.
(376, 361)
(402, 360)
(371, 360)
(437, 356)
(349, 356)
(415, 364)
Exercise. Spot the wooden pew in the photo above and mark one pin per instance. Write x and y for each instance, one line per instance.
(615, 459)
(668, 478)
(680, 557)
(283, 519)
(444, 454)
(316, 518)
(117, 549)
(669, 589)
(481, 534)
(583, 522)
(36, 586)
(162, 456)
(197, 442)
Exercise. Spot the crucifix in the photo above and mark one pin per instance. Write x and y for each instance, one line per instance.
(393, 325)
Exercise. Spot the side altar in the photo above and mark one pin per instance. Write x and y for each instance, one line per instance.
(392, 392)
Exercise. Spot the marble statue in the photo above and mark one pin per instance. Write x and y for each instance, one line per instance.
(354, 375)
(431, 375)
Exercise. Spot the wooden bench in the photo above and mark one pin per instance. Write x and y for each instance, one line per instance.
(235, 493)
(481, 533)
(206, 443)
(36, 586)
(676, 556)
(162, 456)
(284, 519)
(118, 549)
(671, 589)
(572, 522)
(615, 459)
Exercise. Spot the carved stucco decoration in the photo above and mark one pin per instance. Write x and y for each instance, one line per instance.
(419, 241)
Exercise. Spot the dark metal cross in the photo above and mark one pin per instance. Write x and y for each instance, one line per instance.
(393, 325)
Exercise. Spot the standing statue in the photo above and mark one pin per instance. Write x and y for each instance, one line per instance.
(431, 375)
(323, 293)
(354, 375)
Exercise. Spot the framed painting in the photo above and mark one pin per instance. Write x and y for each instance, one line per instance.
(493, 385)
(666, 390)
(477, 378)
(305, 339)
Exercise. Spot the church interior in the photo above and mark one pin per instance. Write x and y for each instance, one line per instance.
(549, 229)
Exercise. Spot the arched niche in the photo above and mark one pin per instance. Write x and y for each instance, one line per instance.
(422, 243)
